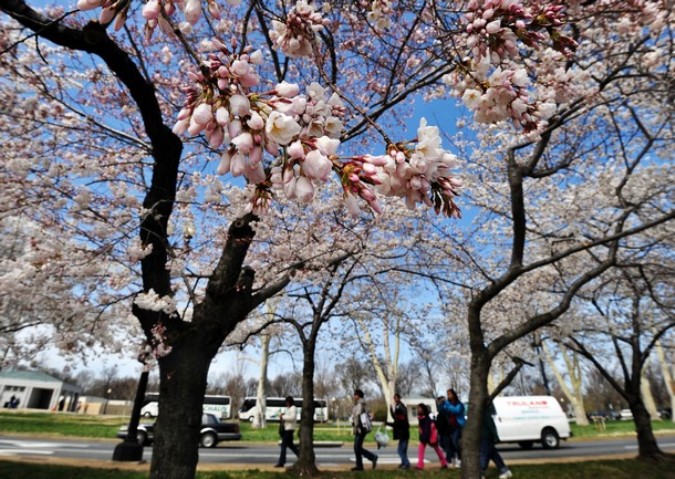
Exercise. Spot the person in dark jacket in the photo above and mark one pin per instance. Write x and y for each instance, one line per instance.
(443, 426)
(428, 436)
(488, 438)
(455, 413)
(401, 426)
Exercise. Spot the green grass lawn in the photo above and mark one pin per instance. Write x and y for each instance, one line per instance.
(619, 469)
(618, 428)
(79, 425)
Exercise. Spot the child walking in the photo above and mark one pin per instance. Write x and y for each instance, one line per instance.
(428, 436)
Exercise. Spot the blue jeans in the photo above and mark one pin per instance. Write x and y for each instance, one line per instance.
(360, 452)
(455, 437)
(403, 452)
(287, 443)
(489, 451)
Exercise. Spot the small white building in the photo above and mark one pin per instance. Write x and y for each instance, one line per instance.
(36, 390)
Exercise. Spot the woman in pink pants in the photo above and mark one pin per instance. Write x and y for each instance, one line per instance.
(428, 436)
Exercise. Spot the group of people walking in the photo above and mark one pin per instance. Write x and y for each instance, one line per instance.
(443, 433)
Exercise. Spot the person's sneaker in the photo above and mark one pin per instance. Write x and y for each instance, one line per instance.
(405, 466)
(278, 465)
(458, 463)
(506, 474)
(375, 462)
(357, 469)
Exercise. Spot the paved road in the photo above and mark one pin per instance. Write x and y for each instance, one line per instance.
(260, 455)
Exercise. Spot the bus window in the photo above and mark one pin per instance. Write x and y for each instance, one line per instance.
(217, 405)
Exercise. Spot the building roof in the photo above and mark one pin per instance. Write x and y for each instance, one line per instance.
(29, 376)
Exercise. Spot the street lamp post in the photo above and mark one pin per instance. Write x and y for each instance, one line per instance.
(130, 450)
(107, 398)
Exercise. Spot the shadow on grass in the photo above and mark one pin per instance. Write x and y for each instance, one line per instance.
(611, 469)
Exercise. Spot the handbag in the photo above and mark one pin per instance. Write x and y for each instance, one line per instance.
(381, 438)
(281, 429)
(366, 424)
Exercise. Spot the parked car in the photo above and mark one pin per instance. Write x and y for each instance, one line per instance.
(626, 415)
(614, 415)
(212, 432)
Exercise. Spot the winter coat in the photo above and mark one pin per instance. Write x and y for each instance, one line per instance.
(401, 425)
(488, 429)
(457, 410)
(424, 428)
(290, 418)
(359, 407)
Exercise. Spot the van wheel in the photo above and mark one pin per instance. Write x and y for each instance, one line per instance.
(526, 444)
(550, 438)
(208, 440)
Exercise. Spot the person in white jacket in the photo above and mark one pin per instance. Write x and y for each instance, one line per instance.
(289, 420)
(360, 432)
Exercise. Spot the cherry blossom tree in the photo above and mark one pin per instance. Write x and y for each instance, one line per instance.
(555, 209)
(395, 318)
(344, 273)
(633, 311)
(275, 106)
(54, 294)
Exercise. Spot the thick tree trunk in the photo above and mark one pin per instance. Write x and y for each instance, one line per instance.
(306, 464)
(579, 412)
(647, 445)
(478, 394)
(666, 370)
(648, 397)
(183, 375)
(259, 420)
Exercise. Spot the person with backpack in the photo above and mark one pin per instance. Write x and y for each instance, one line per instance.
(454, 411)
(361, 426)
(428, 437)
(401, 427)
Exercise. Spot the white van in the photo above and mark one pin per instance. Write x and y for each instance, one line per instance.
(530, 419)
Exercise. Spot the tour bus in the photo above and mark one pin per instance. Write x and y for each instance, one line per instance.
(217, 405)
(275, 406)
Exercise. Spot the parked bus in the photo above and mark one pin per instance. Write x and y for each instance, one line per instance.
(275, 406)
(218, 405)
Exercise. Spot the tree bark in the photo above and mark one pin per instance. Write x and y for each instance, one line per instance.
(183, 375)
(306, 463)
(667, 377)
(478, 397)
(259, 420)
(574, 393)
(647, 396)
(647, 446)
